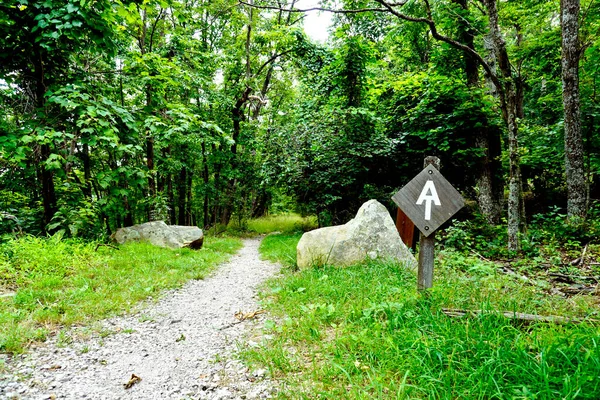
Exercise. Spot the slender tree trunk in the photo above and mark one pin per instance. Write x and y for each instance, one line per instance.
(87, 171)
(189, 220)
(260, 204)
(489, 185)
(217, 189)
(48, 190)
(181, 195)
(227, 210)
(514, 168)
(171, 198)
(45, 175)
(205, 178)
(128, 220)
(150, 159)
(574, 152)
(237, 115)
(509, 103)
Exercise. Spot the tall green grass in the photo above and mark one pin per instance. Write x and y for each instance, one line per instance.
(58, 283)
(280, 248)
(285, 223)
(364, 332)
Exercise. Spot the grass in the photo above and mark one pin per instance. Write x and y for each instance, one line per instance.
(280, 248)
(58, 283)
(364, 332)
(285, 223)
(282, 223)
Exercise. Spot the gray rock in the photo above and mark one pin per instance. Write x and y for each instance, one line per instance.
(160, 234)
(371, 234)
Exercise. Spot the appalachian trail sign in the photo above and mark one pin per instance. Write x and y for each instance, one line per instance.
(428, 200)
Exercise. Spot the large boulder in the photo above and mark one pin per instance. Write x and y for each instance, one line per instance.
(372, 233)
(160, 234)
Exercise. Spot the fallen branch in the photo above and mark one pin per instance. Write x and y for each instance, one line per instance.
(571, 278)
(581, 260)
(480, 256)
(105, 245)
(573, 290)
(453, 312)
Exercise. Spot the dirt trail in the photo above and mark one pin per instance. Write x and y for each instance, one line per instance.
(181, 347)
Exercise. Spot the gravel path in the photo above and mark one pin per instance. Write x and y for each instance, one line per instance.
(181, 347)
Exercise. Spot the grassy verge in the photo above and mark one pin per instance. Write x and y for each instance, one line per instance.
(284, 223)
(280, 248)
(58, 283)
(364, 332)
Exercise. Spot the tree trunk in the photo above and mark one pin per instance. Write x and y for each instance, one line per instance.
(227, 209)
(181, 195)
(260, 204)
(574, 153)
(509, 101)
(171, 198)
(48, 190)
(87, 171)
(151, 180)
(128, 220)
(190, 215)
(489, 193)
(237, 115)
(45, 175)
(205, 178)
(514, 168)
(489, 184)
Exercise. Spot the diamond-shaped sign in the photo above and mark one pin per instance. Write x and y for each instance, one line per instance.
(429, 200)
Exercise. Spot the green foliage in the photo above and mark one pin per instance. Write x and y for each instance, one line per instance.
(431, 114)
(547, 235)
(554, 227)
(337, 151)
(59, 282)
(281, 248)
(365, 332)
(76, 222)
(476, 235)
(180, 111)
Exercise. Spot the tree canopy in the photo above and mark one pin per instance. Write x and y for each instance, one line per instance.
(200, 111)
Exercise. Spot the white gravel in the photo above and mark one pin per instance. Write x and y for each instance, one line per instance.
(182, 347)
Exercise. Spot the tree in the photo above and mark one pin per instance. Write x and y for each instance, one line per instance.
(507, 84)
(39, 38)
(574, 151)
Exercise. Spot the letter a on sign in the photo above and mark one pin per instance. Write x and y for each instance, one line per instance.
(428, 195)
(431, 188)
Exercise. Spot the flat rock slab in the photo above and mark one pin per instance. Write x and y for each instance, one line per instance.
(181, 347)
(371, 234)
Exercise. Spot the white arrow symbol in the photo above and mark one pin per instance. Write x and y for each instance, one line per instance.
(428, 195)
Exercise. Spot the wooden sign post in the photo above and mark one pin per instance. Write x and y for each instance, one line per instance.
(428, 200)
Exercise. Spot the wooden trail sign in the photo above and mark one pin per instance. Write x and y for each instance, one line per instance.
(428, 200)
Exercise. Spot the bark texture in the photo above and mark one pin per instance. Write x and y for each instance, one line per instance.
(574, 152)
(510, 105)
